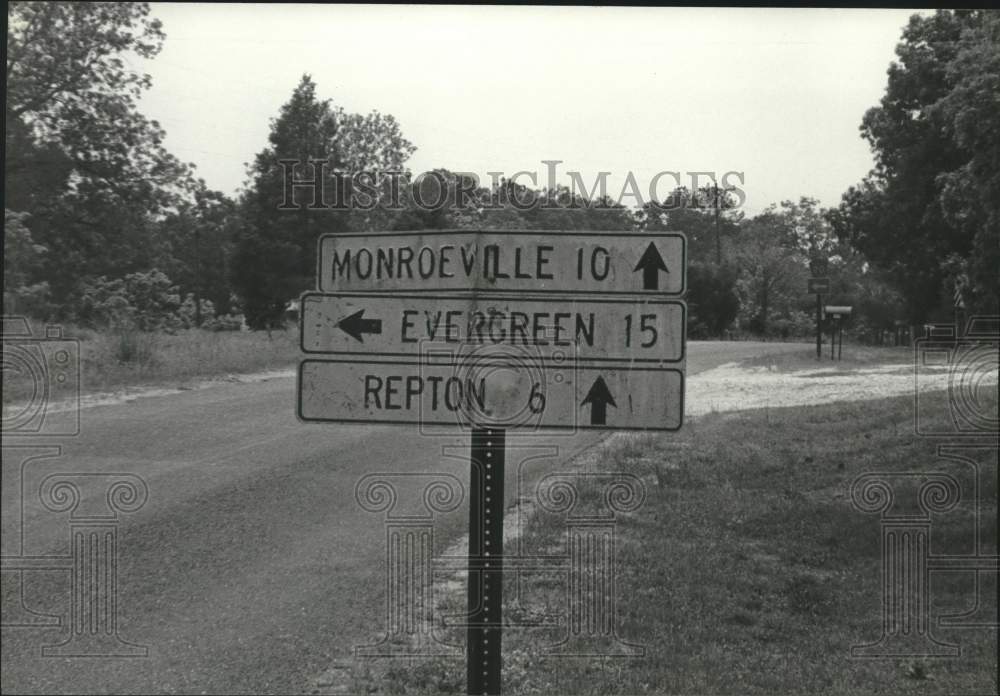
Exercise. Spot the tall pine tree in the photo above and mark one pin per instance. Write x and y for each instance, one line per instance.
(275, 251)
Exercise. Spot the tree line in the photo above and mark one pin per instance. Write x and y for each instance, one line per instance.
(103, 225)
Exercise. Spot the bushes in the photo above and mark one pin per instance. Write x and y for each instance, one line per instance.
(712, 299)
(139, 301)
(795, 325)
(138, 307)
(22, 257)
(224, 322)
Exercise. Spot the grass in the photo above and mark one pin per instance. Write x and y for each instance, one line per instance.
(110, 360)
(748, 570)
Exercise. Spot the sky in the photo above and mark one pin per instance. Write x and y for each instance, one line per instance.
(776, 94)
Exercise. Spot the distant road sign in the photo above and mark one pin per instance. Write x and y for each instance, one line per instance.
(819, 286)
(524, 261)
(634, 330)
(491, 393)
(819, 266)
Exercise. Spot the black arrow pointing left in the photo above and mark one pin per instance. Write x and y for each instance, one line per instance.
(356, 325)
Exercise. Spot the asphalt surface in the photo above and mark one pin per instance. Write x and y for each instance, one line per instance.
(250, 567)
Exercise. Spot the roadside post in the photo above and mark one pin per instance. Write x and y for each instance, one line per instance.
(958, 297)
(486, 508)
(488, 331)
(819, 286)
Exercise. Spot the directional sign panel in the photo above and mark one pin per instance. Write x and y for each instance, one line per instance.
(492, 393)
(556, 261)
(819, 286)
(635, 330)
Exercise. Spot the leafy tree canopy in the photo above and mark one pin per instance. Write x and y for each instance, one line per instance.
(929, 212)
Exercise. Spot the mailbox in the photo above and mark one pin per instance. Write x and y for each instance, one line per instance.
(836, 311)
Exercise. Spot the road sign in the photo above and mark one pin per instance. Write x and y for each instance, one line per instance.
(819, 286)
(634, 330)
(497, 392)
(490, 330)
(525, 261)
(818, 266)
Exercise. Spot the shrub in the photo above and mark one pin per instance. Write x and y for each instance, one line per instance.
(134, 347)
(224, 322)
(712, 299)
(795, 324)
(187, 314)
(139, 301)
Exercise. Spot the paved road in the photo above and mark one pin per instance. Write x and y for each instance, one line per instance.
(250, 567)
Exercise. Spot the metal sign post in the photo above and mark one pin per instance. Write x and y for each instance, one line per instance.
(818, 286)
(819, 326)
(485, 585)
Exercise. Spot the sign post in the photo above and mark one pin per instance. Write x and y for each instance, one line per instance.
(485, 584)
(489, 331)
(818, 286)
(819, 326)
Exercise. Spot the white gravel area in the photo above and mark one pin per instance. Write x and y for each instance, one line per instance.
(731, 387)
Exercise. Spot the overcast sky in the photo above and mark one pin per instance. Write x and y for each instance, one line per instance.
(776, 94)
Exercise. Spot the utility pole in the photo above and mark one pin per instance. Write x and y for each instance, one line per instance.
(197, 273)
(718, 239)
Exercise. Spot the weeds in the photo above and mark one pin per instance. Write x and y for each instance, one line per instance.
(127, 357)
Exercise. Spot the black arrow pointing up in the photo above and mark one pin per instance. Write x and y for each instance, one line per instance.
(356, 325)
(599, 397)
(651, 263)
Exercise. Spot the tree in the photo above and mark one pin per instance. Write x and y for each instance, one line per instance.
(87, 166)
(22, 257)
(931, 199)
(274, 257)
(693, 213)
(773, 269)
(69, 83)
(372, 145)
(970, 194)
(371, 142)
(713, 302)
(199, 233)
